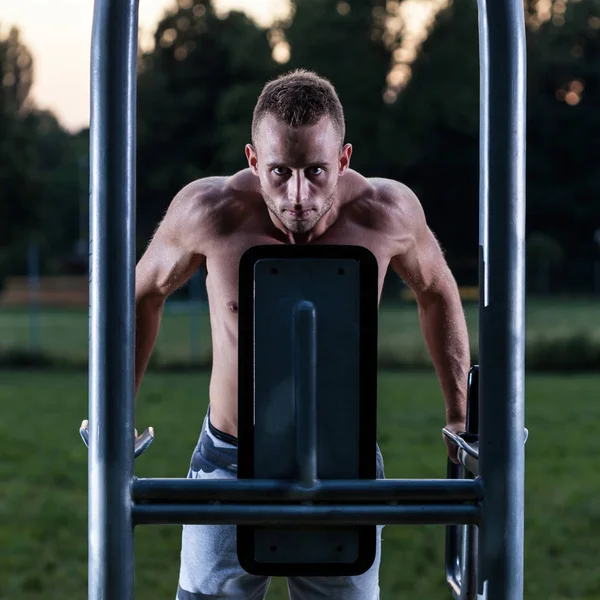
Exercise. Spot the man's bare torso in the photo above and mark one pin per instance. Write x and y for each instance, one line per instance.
(241, 220)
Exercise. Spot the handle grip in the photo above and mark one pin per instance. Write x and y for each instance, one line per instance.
(141, 442)
(468, 448)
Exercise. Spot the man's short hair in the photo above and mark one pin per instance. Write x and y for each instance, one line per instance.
(297, 99)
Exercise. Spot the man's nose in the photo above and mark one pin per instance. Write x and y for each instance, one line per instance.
(298, 188)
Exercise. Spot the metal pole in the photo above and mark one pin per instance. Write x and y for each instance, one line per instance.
(461, 554)
(179, 490)
(112, 233)
(317, 515)
(502, 299)
(33, 267)
(305, 390)
(469, 551)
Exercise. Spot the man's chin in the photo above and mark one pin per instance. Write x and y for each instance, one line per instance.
(299, 226)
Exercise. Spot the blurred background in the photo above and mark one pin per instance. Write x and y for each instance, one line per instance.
(407, 73)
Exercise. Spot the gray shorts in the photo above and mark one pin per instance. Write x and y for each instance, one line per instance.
(209, 563)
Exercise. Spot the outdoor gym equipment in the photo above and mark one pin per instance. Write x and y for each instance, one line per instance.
(118, 501)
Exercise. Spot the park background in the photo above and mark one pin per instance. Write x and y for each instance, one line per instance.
(407, 73)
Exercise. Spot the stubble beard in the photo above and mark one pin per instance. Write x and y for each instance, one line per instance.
(303, 225)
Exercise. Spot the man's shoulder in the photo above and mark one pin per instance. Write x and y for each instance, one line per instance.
(214, 207)
(398, 201)
(388, 199)
(216, 193)
(391, 191)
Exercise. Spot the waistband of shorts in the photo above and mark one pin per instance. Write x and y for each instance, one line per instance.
(209, 448)
(220, 435)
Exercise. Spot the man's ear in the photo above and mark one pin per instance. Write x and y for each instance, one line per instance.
(345, 159)
(252, 158)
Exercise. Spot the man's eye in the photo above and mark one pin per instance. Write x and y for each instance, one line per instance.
(280, 171)
(315, 170)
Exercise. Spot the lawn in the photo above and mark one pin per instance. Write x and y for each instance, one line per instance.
(185, 335)
(43, 484)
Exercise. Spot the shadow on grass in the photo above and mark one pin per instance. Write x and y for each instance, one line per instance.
(572, 353)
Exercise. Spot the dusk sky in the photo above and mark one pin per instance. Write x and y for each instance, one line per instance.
(58, 34)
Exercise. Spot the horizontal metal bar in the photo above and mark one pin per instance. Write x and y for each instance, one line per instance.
(173, 490)
(284, 515)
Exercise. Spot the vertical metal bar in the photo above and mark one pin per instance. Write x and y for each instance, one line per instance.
(305, 390)
(33, 268)
(112, 234)
(470, 533)
(469, 552)
(484, 151)
(462, 541)
(502, 301)
(452, 558)
(472, 425)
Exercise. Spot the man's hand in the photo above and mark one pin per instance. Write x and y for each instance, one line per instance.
(458, 427)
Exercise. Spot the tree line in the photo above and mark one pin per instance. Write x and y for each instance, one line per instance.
(198, 85)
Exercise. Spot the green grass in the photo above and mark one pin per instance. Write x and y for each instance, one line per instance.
(43, 484)
(64, 333)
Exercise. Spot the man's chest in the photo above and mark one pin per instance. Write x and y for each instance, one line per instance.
(222, 264)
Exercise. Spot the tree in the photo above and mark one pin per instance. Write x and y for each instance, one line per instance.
(41, 182)
(563, 121)
(197, 90)
(544, 256)
(439, 110)
(350, 44)
(19, 181)
(16, 63)
(62, 165)
(437, 118)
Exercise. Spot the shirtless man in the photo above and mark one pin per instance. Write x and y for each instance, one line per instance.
(297, 189)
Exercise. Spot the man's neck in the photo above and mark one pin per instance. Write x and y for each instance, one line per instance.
(322, 226)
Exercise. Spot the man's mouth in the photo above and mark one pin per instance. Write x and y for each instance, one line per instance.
(300, 214)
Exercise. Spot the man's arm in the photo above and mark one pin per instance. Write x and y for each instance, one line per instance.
(173, 255)
(421, 264)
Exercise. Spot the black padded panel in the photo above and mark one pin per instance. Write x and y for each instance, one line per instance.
(341, 284)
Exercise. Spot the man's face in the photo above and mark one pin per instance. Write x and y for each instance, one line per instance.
(298, 170)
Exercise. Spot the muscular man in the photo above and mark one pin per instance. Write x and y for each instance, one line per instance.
(298, 189)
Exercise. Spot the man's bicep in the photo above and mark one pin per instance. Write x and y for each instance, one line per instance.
(174, 253)
(421, 263)
(165, 266)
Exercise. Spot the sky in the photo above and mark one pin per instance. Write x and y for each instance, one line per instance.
(58, 33)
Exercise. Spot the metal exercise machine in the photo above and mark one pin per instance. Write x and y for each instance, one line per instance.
(312, 495)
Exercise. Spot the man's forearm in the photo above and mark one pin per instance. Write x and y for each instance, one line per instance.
(148, 314)
(445, 331)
